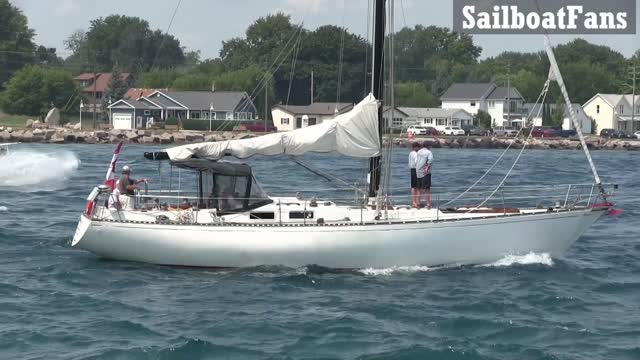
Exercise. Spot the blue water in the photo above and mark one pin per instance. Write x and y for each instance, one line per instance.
(61, 303)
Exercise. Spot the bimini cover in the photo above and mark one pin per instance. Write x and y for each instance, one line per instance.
(354, 133)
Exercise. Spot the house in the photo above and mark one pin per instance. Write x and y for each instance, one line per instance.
(613, 111)
(438, 118)
(162, 105)
(536, 111)
(94, 87)
(137, 93)
(291, 117)
(487, 97)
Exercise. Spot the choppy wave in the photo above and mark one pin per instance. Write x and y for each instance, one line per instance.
(3, 208)
(528, 259)
(395, 269)
(31, 170)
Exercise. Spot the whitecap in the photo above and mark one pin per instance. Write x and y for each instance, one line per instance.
(3, 208)
(528, 259)
(31, 170)
(395, 269)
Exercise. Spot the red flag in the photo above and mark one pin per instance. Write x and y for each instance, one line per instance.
(110, 179)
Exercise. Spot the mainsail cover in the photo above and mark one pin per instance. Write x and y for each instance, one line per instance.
(354, 133)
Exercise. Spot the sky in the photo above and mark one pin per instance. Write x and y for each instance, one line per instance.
(204, 24)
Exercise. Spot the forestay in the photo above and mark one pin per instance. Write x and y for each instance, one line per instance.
(353, 134)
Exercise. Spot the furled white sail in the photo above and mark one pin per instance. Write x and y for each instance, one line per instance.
(353, 134)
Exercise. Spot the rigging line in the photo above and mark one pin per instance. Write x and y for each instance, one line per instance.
(294, 59)
(524, 146)
(404, 18)
(322, 173)
(263, 82)
(545, 89)
(175, 11)
(574, 118)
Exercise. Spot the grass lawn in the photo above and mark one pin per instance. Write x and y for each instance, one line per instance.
(14, 121)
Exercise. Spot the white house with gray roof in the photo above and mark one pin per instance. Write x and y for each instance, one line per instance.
(291, 117)
(438, 118)
(161, 105)
(487, 97)
(614, 111)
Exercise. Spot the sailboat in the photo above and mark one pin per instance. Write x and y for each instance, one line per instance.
(228, 221)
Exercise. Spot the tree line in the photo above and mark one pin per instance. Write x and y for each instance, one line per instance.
(279, 57)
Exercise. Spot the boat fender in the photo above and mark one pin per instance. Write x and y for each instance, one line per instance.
(320, 221)
(313, 202)
(91, 201)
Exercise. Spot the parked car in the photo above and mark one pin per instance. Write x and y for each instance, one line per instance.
(422, 130)
(258, 127)
(568, 133)
(473, 130)
(544, 132)
(504, 131)
(612, 133)
(637, 134)
(453, 131)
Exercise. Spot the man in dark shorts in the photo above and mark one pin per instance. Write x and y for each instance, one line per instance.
(413, 160)
(423, 172)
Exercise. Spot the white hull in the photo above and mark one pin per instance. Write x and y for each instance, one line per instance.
(471, 241)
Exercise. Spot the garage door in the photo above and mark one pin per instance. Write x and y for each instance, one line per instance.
(122, 121)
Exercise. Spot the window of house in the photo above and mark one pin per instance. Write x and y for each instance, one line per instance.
(598, 109)
(492, 104)
(441, 122)
(229, 115)
(284, 121)
(473, 103)
(195, 115)
(147, 112)
(621, 109)
(396, 122)
(428, 121)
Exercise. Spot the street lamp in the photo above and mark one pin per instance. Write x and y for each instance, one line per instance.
(110, 114)
(81, 107)
(210, 115)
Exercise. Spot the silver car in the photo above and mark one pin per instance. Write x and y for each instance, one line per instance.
(505, 131)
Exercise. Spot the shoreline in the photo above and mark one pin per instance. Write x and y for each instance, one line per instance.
(180, 137)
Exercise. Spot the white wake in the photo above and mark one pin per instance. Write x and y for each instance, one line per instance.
(528, 259)
(30, 170)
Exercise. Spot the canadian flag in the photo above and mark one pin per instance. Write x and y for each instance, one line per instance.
(110, 179)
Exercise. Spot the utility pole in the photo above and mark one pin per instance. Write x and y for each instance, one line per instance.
(311, 87)
(266, 107)
(95, 96)
(509, 93)
(633, 76)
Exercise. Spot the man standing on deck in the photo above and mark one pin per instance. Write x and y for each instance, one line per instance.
(413, 160)
(423, 172)
(126, 186)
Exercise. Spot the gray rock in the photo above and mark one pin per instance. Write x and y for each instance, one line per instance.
(166, 138)
(76, 126)
(29, 123)
(147, 140)
(179, 138)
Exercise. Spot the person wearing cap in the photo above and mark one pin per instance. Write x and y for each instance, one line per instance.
(423, 172)
(126, 187)
(413, 160)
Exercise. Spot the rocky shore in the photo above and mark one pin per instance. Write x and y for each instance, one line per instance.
(165, 137)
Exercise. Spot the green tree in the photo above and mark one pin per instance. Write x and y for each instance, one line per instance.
(557, 115)
(483, 119)
(126, 41)
(157, 79)
(33, 89)
(116, 90)
(414, 95)
(16, 41)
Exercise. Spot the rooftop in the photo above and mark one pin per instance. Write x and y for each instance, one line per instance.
(319, 108)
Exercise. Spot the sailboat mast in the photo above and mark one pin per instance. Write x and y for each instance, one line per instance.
(377, 88)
